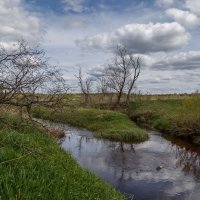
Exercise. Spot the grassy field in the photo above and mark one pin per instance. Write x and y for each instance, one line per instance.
(178, 117)
(105, 124)
(33, 166)
(106, 98)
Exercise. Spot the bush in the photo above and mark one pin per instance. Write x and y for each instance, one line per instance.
(162, 124)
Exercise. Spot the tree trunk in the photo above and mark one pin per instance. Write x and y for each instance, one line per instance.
(129, 91)
(21, 113)
(128, 98)
(119, 98)
(28, 108)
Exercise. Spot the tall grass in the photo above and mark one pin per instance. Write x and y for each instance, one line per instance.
(105, 124)
(190, 115)
(177, 117)
(33, 166)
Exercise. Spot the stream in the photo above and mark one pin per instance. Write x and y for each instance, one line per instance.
(157, 169)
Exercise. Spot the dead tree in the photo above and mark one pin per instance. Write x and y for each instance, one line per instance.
(118, 72)
(26, 79)
(122, 73)
(135, 72)
(85, 86)
(101, 86)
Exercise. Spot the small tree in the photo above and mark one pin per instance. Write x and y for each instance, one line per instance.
(122, 73)
(85, 86)
(135, 72)
(102, 87)
(26, 79)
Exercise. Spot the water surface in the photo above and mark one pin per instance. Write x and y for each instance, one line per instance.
(134, 169)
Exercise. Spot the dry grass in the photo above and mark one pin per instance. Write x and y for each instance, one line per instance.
(57, 133)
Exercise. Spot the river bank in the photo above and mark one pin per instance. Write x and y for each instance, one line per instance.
(33, 166)
(179, 118)
(103, 123)
(175, 117)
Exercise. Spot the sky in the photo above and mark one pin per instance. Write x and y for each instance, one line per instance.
(85, 33)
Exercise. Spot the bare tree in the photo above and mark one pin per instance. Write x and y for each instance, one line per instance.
(135, 72)
(85, 86)
(102, 86)
(118, 73)
(26, 79)
(122, 73)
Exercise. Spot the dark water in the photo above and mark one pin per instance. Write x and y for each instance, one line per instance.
(133, 168)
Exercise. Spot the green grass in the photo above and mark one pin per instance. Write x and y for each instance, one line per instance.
(159, 114)
(33, 166)
(190, 115)
(178, 117)
(105, 124)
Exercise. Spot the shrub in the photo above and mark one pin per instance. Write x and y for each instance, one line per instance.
(162, 124)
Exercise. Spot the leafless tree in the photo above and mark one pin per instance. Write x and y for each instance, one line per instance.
(117, 73)
(85, 86)
(26, 79)
(102, 87)
(135, 72)
(122, 73)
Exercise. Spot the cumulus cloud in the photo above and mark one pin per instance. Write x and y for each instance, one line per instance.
(184, 18)
(180, 61)
(164, 2)
(194, 6)
(74, 5)
(140, 38)
(17, 23)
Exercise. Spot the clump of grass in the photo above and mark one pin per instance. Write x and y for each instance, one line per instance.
(33, 166)
(104, 123)
(57, 133)
(162, 124)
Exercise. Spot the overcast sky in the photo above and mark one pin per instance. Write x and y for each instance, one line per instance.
(84, 33)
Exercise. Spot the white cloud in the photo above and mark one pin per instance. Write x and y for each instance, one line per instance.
(184, 18)
(17, 23)
(194, 6)
(74, 5)
(164, 2)
(140, 38)
(169, 61)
